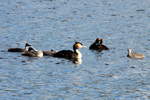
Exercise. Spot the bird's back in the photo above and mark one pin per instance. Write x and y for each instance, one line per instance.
(98, 47)
(138, 56)
(135, 55)
(64, 54)
(16, 50)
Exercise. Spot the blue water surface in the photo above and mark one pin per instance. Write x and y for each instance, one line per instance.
(57, 24)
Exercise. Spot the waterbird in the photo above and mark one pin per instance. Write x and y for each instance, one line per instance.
(19, 49)
(69, 54)
(132, 54)
(98, 45)
(32, 52)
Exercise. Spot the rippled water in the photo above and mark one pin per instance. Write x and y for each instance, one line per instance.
(57, 24)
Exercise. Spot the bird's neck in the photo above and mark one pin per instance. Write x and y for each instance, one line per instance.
(130, 52)
(26, 48)
(79, 55)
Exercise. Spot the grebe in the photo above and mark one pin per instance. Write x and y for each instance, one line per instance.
(32, 52)
(27, 45)
(16, 50)
(98, 45)
(69, 54)
(19, 49)
(49, 52)
(132, 54)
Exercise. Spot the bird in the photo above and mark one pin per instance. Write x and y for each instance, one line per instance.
(27, 45)
(48, 52)
(16, 50)
(32, 52)
(70, 54)
(19, 49)
(132, 54)
(98, 45)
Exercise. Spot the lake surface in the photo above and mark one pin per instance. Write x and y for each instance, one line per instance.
(57, 24)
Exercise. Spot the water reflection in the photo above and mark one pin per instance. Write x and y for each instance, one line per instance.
(98, 54)
(77, 61)
(74, 61)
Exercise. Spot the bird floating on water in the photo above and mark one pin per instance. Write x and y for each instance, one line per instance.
(32, 52)
(69, 54)
(19, 49)
(132, 54)
(98, 45)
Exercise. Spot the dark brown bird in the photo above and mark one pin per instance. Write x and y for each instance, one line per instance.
(69, 54)
(16, 50)
(49, 52)
(98, 45)
(19, 49)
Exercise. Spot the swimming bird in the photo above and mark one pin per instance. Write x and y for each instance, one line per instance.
(132, 54)
(49, 52)
(32, 52)
(69, 54)
(19, 49)
(27, 45)
(98, 45)
(16, 50)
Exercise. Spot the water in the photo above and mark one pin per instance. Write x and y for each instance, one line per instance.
(57, 24)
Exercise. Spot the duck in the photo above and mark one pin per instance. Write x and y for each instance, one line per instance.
(70, 54)
(98, 45)
(32, 52)
(132, 54)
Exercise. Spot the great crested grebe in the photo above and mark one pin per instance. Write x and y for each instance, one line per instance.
(98, 45)
(19, 49)
(132, 54)
(69, 54)
(16, 50)
(31, 52)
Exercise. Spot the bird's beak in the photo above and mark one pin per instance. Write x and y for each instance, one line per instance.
(84, 46)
